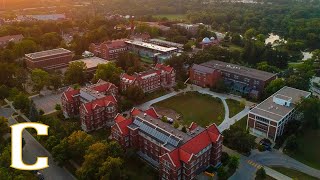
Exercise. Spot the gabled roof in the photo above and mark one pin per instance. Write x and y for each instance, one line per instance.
(119, 118)
(184, 156)
(135, 111)
(193, 126)
(103, 102)
(123, 125)
(127, 77)
(70, 93)
(174, 157)
(119, 43)
(164, 67)
(102, 86)
(152, 112)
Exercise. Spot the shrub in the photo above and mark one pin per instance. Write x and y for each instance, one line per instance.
(41, 112)
(225, 158)
(57, 107)
(261, 174)
(176, 125)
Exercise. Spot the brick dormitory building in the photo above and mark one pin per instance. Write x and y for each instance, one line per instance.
(269, 118)
(161, 76)
(49, 60)
(109, 50)
(241, 79)
(96, 105)
(177, 155)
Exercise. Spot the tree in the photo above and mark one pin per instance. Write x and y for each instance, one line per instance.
(310, 109)
(33, 112)
(76, 73)
(234, 162)
(225, 158)
(238, 139)
(111, 169)
(50, 40)
(264, 66)
(78, 142)
(261, 174)
(39, 78)
(250, 33)
(55, 80)
(292, 144)
(222, 173)
(274, 86)
(134, 93)
(4, 126)
(22, 102)
(114, 149)
(108, 72)
(61, 152)
(184, 129)
(95, 156)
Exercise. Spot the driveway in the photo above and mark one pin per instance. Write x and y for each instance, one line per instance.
(34, 149)
(47, 102)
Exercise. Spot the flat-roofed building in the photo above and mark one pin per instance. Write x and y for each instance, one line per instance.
(268, 119)
(91, 63)
(166, 43)
(4, 40)
(49, 60)
(240, 78)
(149, 50)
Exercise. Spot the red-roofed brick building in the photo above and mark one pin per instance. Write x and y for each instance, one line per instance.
(96, 105)
(150, 80)
(177, 155)
(109, 50)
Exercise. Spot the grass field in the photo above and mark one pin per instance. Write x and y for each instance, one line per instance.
(309, 146)
(242, 123)
(234, 107)
(196, 107)
(293, 173)
(172, 17)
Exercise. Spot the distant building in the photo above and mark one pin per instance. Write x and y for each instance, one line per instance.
(149, 50)
(176, 155)
(241, 79)
(49, 60)
(161, 76)
(96, 105)
(109, 50)
(42, 17)
(158, 25)
(4, 40)
(206, 42)
(269, 118)
(164, 43)
(144, 37)
(91, 63)
(191, 28)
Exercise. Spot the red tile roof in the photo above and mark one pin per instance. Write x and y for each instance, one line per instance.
(126, 76)
(193, 126)
(174, 156)
(164, 67)
(103, 87)
(184, 156)
(135, 111)
(123, 125)
(119, 118)
(70, 92)
(152, 112)
(115, 44)
(105, 101)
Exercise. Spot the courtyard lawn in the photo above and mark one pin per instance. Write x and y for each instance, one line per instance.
(234, 107)
(137, 169)
(309, 145)
(195, 107)
(293, 173)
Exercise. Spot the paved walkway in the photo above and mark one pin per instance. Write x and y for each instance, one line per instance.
(227, 122)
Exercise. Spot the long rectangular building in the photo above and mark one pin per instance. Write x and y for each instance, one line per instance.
(49, 60)
(241, 79)
(268, 119)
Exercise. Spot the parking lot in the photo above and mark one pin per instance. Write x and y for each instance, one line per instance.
(48, 102)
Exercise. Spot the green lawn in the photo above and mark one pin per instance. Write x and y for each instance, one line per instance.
(242, 123)
(309, 145)
(293, 173)
(196, 107)
(234, 107)
(172, 17)
(154, 95)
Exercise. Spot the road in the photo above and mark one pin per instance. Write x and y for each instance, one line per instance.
(34, 149)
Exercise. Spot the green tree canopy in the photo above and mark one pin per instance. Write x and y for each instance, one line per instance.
(76, 73)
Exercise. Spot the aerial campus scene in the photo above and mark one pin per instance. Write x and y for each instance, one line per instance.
(159, 89)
